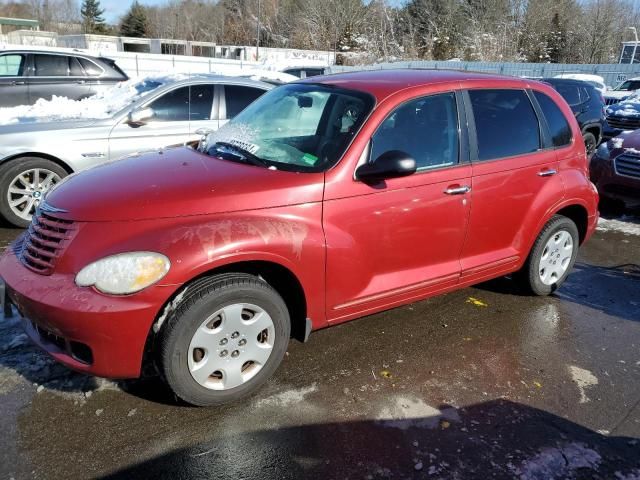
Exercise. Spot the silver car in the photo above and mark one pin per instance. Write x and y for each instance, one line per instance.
(35, 156)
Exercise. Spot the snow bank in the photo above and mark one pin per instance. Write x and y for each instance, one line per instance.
(102, 105)
(625, 224)
(110, 101)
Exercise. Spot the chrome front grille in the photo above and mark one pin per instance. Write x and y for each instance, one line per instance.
(628, 165)
(623, 123)
(44, 241)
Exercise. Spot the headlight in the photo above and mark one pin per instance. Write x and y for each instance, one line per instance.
(124, 273)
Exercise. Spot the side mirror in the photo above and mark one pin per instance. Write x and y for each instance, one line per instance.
(138, 118)
(391, 164)
(201, 145)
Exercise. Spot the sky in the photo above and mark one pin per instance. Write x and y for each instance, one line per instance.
(114, 9)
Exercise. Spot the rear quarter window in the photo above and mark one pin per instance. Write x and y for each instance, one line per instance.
(506, 123)
(559, 127)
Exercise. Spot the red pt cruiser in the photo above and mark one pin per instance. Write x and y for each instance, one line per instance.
(325, 200)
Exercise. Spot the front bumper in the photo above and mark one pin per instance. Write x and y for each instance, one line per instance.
(79, 327)
(612, 185)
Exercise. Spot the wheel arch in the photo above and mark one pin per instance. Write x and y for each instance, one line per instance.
(279, 277)
(595, 129)
(579, 215)
(44, 156)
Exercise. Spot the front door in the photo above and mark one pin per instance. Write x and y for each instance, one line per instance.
(167, 125)
(13, 83)
(398, 240)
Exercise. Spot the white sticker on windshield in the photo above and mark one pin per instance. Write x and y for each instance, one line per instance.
(249, 147)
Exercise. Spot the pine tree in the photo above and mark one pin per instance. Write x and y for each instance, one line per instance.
(134, 23)
(92, 19)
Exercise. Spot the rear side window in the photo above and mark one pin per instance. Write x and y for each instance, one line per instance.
(570, 93)
(201, 101)
(558, 126)
(426, 129)
(11, 65)
(90, 68)
(506, 123)
(239, 97)
(51, 65)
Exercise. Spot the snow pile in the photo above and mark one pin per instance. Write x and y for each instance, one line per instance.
(254, 74)
(558, 462)
(102, 105)
(624, 225)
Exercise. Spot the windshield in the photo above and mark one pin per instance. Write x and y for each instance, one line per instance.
(298, 127)
(628, 85)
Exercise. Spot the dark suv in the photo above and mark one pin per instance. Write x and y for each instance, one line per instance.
(587, 105)
(28, 75)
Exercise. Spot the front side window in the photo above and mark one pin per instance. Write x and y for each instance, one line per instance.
(558, 125)
(51, 65)
(172, 106)
(11, 65)
(629, 85)
(506, 123)
(298, 127)
(238, 97)
(426, 129)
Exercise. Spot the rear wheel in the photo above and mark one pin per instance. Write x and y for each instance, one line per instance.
(224, 340)
(551, 258)
(23, 184)
(590, 142)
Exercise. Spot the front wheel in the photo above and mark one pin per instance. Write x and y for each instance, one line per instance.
(224, 340)
(23, 184)
(551, 258)
(590, 143)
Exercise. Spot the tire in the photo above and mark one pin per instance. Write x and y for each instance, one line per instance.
(543, 253)
(200, 353)
(27, 166)
(590, 143)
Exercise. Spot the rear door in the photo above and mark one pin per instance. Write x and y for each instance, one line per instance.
(59, 75)
(169, 125)
(514, 176)
(13, 83)
(203, 108)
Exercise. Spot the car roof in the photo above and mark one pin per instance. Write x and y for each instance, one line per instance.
(32, 50)
(568, 81)
(382, 83)
(216, 78)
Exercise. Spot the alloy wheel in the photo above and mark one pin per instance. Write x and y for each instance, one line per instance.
(28, 188)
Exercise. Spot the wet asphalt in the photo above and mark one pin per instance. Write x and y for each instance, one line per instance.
(479, 383)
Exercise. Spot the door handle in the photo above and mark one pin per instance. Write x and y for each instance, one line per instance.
(81, 81)
(458, 190)
(547, 173)
(15, 82)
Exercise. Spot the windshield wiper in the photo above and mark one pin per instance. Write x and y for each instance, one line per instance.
(244, 154)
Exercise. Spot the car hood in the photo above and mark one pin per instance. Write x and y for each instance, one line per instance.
(178, 182)
(617, 94)
(625, 109)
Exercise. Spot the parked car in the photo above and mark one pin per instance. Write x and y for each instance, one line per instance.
(28, 75)
(596, 81)
(35, 156)
(615, 169)
(305, 71)
(622, 91)
(587, 105)
(621, 117)
(323, 201)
